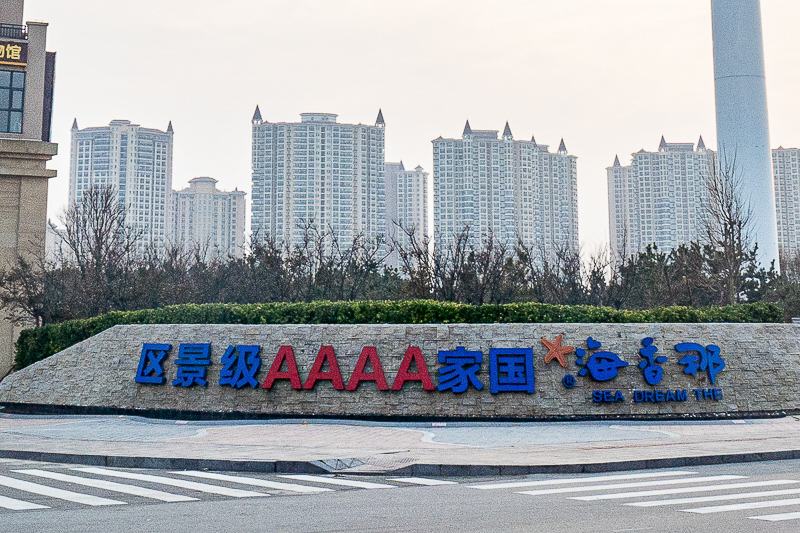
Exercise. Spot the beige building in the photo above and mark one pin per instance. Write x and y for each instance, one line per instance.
(406, 206)
(659, 198)
(208, 220)
(27, 72)
(317, 173)
(137, 163)
(786, 173)
(512, 189)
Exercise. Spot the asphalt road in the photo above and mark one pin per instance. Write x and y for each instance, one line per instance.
(39, 497)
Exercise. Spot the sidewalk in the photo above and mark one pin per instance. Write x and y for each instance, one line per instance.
(331, 446)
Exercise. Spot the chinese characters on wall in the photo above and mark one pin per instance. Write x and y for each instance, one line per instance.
(460, 369)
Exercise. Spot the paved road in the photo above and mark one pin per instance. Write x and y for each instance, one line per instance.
(71, 498)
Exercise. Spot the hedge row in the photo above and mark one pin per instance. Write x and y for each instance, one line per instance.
(36, 344)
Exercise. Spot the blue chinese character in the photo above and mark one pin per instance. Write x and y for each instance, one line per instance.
(708, 359)
(459, 372)
(150, 369)
(511, 370)
(651, 367)
(602, 366)
(192, 362)
(240, 364)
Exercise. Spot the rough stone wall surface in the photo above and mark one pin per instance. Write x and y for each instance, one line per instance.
(762, 370)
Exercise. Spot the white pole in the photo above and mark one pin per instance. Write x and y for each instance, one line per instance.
(742, 124)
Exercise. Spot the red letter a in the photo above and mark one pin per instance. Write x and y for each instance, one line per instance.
(326, 353)
(285, 353)
(413, 354)
(368, 354)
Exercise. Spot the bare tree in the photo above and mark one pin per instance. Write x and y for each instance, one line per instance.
(726, 223)
(103, 248)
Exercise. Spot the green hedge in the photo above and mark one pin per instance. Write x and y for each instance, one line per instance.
(36, 344)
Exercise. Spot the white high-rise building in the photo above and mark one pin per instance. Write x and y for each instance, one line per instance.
(318, 173)
(786, 171)
(208, 220)
(137, 162)
(406, 205)
(658, 199)
(512, 189)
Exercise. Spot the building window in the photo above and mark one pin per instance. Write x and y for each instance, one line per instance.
(12, 96)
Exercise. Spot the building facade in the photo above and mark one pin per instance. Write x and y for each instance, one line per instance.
(786, 172)
(406, 206)
(207, 220)
(658, 199)
(27, 74)
(137, 163)
(318, 174)
(504, 187)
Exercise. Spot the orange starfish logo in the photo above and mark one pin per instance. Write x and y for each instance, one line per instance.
(556, 351)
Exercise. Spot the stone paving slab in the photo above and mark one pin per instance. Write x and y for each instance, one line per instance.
(416, 448)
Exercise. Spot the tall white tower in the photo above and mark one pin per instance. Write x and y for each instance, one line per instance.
(742, 125)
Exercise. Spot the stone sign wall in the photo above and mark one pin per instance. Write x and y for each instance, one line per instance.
(524, 371)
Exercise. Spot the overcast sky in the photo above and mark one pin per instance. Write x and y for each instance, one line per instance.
(609, 76)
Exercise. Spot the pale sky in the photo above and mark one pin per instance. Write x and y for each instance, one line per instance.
(609, 76)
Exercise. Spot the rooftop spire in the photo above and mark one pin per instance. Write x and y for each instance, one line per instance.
(562, 148)
(507, 131)
(662, 144)
(533, 139)
(75, 123)
(700, 144)
(257, 115)
(616, 161)
(379, 121)
(467, 129)
(169, 127)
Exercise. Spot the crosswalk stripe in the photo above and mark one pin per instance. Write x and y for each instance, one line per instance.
(109, 485)
(588, 479)
(253, 481)
(719, 498)
(616, 486)
(684, 490)
(742, 506)
(776, 517)
(423, 481)
(52, 492)
(19, 505)
(192, 485)
(339, 481)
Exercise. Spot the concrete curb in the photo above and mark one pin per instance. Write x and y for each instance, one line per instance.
(442, 470)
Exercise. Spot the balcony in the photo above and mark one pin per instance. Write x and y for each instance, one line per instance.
(13, 31)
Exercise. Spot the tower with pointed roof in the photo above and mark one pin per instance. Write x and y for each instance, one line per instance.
(658, 199)
(317, 173)
(137, 163)
(510, 189)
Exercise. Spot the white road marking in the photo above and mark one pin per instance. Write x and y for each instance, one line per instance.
(253, 481)
(339, 481)
(742, 506)
(616, 486)
(723, 497)
(776, 517)
(109, 485)
(60, 494)
(423, 481)
(192, 485)
(19, 505)
(684, 490)
(590, 479)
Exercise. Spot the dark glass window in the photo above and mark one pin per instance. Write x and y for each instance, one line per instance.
(12, 99)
